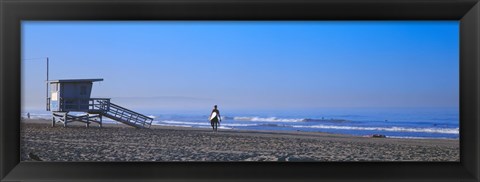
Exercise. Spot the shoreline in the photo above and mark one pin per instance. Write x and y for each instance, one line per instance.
(117, 142)
(160, 126)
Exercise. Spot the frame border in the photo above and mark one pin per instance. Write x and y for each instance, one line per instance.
(12, 12)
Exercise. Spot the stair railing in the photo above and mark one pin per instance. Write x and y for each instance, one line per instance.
(124, 114)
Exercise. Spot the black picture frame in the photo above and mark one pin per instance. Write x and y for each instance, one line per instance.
(12, 12)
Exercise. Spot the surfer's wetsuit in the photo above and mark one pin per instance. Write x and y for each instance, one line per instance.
(214, 121)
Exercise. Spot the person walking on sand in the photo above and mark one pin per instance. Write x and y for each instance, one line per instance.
(215, 118)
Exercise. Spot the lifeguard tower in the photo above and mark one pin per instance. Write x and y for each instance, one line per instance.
(74, 95)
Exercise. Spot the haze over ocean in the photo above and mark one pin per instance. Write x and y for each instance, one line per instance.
(399, 78)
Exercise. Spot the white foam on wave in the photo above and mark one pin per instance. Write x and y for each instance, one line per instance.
(151, 116)
(236, 124)
(392, 129)
(269, 119)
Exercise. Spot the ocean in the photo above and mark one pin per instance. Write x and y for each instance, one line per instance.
(410, 123)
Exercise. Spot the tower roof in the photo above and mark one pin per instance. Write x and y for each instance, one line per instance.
(75, 80)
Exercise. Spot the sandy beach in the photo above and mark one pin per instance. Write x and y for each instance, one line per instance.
(122, 143)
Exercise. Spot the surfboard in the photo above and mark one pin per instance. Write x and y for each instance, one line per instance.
(214, 114)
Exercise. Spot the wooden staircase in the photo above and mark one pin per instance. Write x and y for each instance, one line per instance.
(123, 115)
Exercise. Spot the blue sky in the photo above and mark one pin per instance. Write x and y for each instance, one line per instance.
(192, 65)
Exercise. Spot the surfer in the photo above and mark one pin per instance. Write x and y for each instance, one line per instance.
(215, 118)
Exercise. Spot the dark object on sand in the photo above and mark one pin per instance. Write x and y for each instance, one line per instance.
(378, 136)
(34, 157)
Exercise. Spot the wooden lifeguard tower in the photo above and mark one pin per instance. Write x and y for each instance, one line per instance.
(74, 95)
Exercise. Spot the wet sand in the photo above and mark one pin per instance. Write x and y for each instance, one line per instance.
(117, 142)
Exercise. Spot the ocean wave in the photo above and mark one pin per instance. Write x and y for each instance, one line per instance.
(275, 119)
(271, 124)
(152, 116)
(323, 120)
(391, 129)
(269, 119)
(200, 123)
(208, 124)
